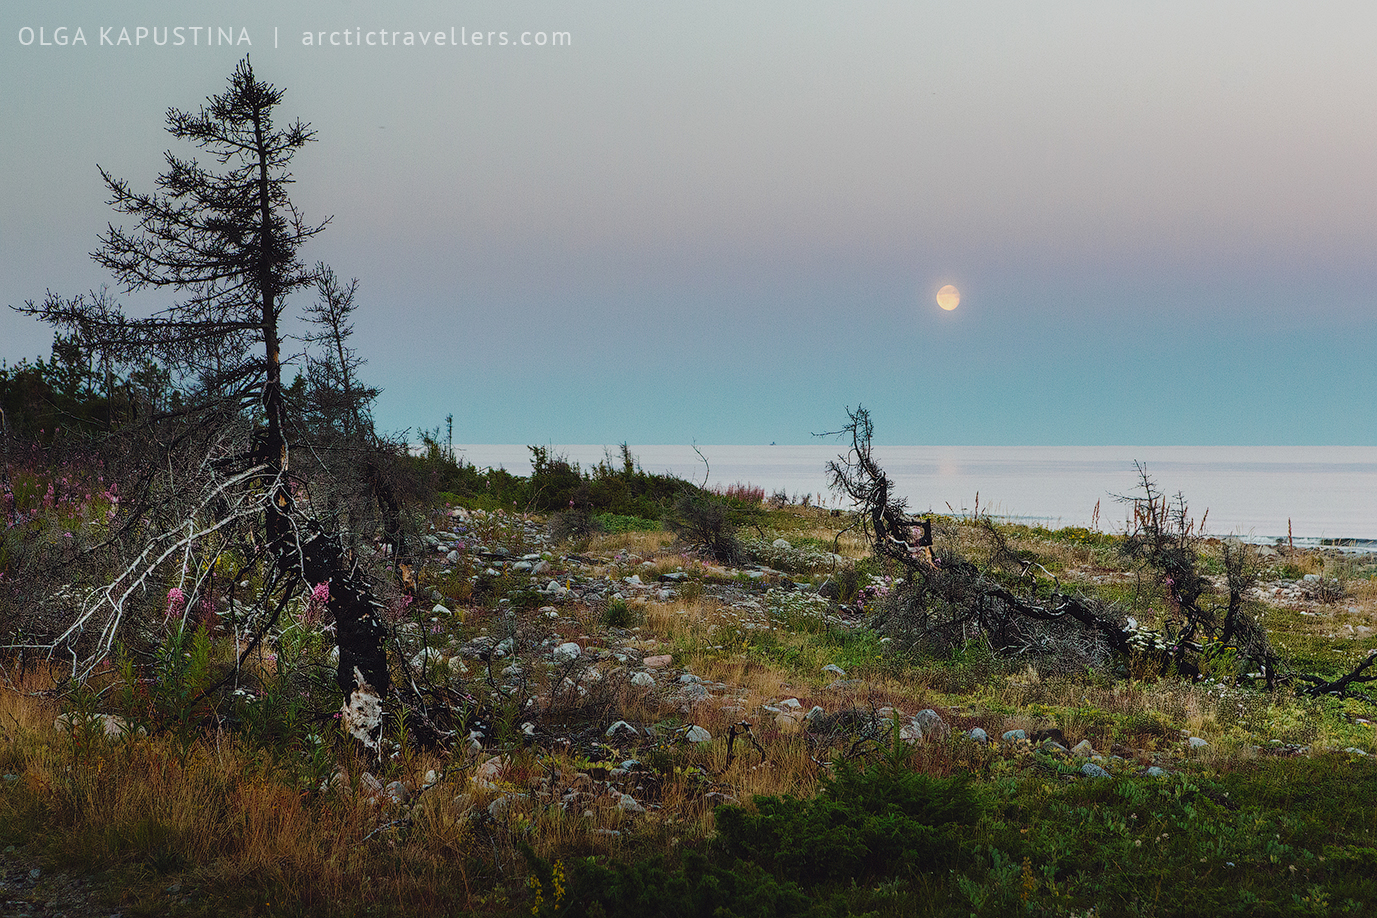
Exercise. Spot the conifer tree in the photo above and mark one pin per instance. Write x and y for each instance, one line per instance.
(224, 237)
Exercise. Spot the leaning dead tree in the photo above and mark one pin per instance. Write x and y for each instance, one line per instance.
(945, 600)
(1020, 609)
(219, 508)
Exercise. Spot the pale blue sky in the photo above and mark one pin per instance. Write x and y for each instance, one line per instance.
(724, 222)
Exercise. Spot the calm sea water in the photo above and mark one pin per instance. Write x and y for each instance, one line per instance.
(1327, 492)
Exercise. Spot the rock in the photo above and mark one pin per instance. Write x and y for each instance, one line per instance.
(792, 703)
(1196, 742)
(657, 662)
(1083, 749)
(643, 680)
(452, 557)
(369, 784)
(627, 804)
(398, 792)
(1052, 747)
(430, 656)
(1154, 772)
(1091, 770)
(815, 714)
(689, 679)
(566, 652)
(675, 577)
(911, 734)
(486, 775)
(697, 734)
(620, 728)
(540, 567)
(978, 735)
(522, 567)
(430, 778)
(835, 670)
(111, 725)
(782, 543)
(634, 580)
(1010, 736)
(499, 807)
(932, 724)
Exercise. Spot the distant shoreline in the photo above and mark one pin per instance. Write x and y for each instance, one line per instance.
(1326, 497)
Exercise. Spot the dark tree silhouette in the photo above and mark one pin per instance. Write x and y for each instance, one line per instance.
(226, 238)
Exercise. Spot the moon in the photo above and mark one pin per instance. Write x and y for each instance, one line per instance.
(948, 297)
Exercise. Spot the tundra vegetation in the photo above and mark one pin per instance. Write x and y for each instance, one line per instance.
(292, 667)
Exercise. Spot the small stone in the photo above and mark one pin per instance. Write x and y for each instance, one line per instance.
(621, 727)
(978, 735)
(911, 734)
(1154, 772)
(657, 662)
(792, 703)
(782, 543)
(697, 734)
(932, 724)
(627, 804)
(1083, 749)
(642, 680)
(541, 567)
(439, 609)
(1196, 742)
(814, 715)
(431, 777)
(398, 792)
(522, 567)
(1010, 736)
(634, 580)
(1091, 770)
(1052, 747)
(567, 651)
(35, 873)
(834, 669)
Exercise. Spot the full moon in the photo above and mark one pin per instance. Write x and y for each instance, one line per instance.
(948, 297)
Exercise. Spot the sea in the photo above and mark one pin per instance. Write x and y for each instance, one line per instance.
(1311, 495)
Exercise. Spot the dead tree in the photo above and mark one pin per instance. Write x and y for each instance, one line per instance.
(226, 242)
(946, 599)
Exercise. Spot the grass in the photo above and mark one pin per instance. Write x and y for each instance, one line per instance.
(276, 816)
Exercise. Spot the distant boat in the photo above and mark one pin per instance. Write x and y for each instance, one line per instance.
(772, 442)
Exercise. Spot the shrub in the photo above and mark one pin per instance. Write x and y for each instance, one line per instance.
(704, 524)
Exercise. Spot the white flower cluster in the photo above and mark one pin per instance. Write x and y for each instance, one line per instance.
(802, 558)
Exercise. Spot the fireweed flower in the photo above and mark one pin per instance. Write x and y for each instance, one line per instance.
(316, 602)
(176, 602)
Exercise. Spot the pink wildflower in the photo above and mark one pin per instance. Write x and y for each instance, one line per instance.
(176, 602)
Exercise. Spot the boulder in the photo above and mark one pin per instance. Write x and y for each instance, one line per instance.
(696, 734)
(621, 728)
(932, 724)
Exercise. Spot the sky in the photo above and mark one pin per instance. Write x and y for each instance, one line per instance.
(726, 222)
